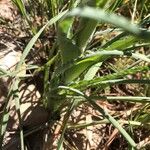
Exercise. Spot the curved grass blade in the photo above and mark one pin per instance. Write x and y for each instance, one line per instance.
(104, 113)
(91, 83)
(92, 59)
(104, 16)
(121, 44)
(64, 124)
(34, 39)
(114, 122)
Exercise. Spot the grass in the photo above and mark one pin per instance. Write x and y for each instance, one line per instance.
(77, 61)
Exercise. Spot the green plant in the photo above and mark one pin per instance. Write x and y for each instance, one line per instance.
(71, 67)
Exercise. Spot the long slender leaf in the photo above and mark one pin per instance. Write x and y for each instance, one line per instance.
(104, 113)
(92, 59)
(139, 99)
(84, 84)
(34, 39)
(121, 22)
(17, 105)
(64, 125)
(114, 122)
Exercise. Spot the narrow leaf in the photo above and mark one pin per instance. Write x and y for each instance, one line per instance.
(104, 16)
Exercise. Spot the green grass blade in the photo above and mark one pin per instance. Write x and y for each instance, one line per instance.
(104, 113)
(17, 105)
(92, 59)
(104, 121)
(114, 122)
(122, 81)
(85, 84)
(115, 39)
(64, 124)
(92, 71)
(132, 99)
(115, 5)
(69, 51)
(21, 6)
(124, 42)
(84, 33)
(34, 39)
(5, 115)
(120, 44)
(4, 120)
(121, 22)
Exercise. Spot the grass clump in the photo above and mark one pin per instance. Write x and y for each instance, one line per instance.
(76, 51)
